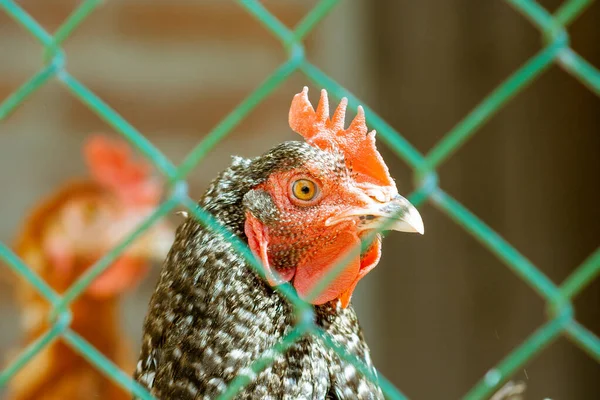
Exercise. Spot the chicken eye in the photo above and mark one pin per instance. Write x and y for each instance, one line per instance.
(304, 189)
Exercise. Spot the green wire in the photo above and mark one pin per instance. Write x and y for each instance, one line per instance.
(556, 50)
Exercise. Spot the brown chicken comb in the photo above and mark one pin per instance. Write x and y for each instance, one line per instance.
(112, 165)
(356, 143)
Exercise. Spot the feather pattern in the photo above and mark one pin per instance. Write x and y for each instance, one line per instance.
(211, 315)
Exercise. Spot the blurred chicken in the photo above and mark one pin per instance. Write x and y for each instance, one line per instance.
(63, 237)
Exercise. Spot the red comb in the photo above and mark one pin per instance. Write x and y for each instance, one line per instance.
(112, 165)
(356, 143)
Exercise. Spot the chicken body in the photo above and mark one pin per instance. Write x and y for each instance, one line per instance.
(301, 207)
(212, 315)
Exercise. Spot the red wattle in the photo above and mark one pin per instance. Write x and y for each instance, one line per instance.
(367, 263)
(310, 272)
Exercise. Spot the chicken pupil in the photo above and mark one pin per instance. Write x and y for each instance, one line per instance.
(305, 189)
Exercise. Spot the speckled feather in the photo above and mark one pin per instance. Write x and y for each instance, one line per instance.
(211, 315)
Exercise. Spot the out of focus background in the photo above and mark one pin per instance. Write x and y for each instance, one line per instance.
(440, 310)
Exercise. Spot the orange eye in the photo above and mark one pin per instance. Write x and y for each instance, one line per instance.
(304, 189)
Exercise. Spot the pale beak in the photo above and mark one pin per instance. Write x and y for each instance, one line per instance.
(405, 217)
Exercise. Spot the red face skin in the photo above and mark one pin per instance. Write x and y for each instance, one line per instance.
(302, 246)
(299, 240)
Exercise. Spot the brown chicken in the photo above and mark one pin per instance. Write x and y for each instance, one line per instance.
(63, 237)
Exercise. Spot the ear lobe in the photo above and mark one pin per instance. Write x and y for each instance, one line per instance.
(260, 205)
(258, 241)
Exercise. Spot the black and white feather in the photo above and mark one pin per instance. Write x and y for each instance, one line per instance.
(211, 315)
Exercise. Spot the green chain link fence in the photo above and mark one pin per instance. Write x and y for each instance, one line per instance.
(560, 311)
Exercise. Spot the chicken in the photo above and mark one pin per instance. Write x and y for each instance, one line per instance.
(65, 235)
(300, 207)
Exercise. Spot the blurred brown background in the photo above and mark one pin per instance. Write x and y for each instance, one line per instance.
(440, 310)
